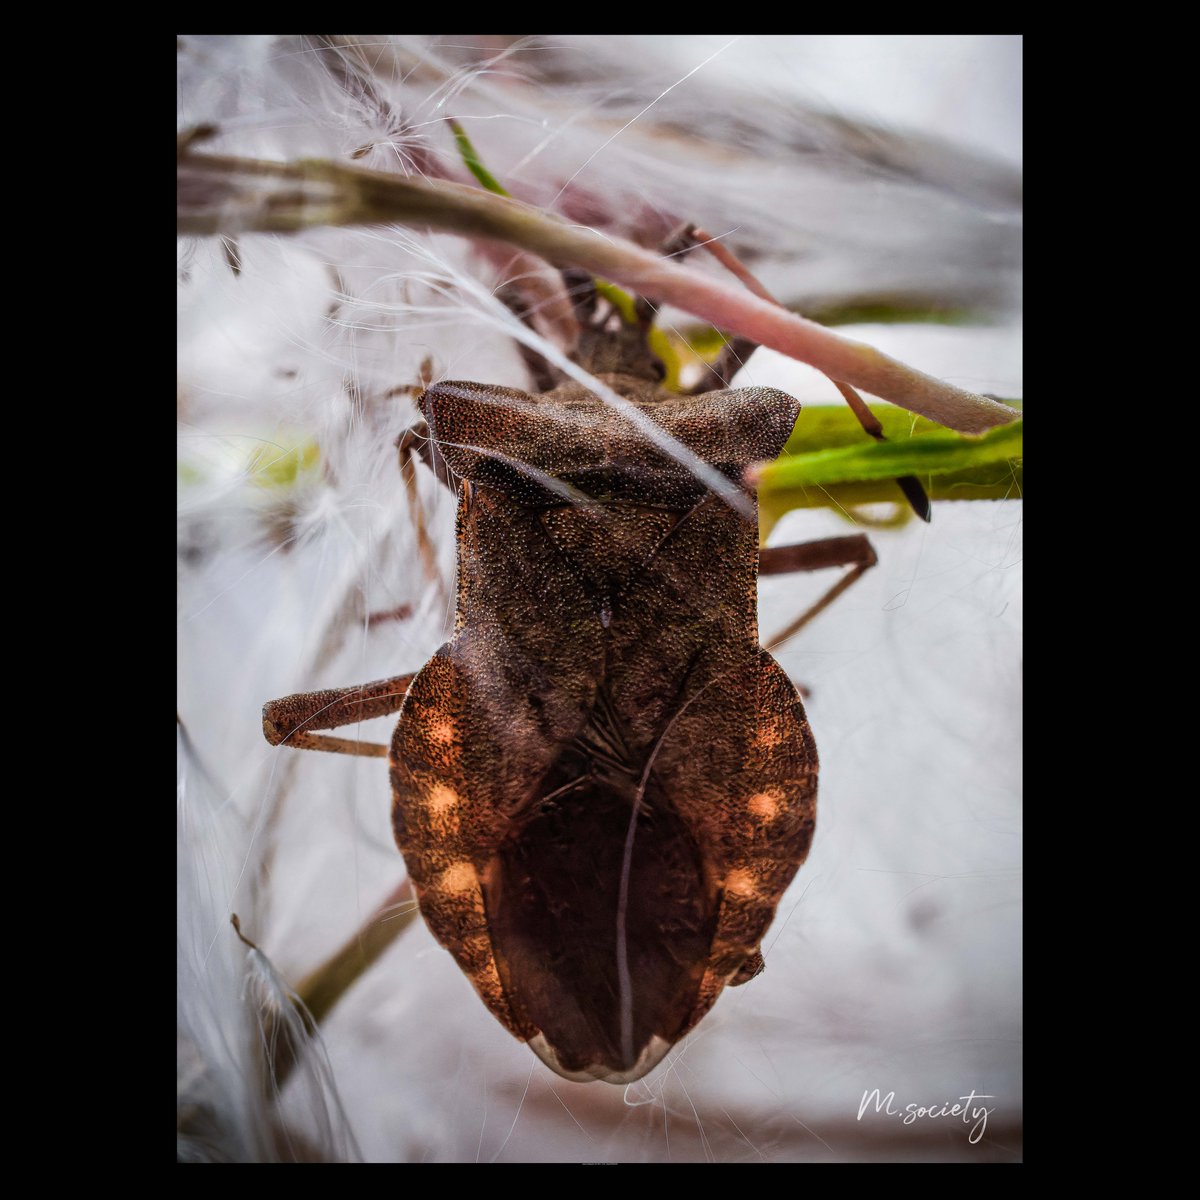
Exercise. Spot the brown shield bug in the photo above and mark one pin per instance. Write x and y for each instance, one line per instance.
(602, 784)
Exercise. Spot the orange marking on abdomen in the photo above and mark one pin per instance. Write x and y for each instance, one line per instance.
(441, 800)
(741, 883)
(442, 731)
(764, 805)
(460, 877)
(769, 736)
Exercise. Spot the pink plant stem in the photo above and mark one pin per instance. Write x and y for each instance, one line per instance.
(839, 357)
(219, 194)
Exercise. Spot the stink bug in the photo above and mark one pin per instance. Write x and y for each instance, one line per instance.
(603, 784)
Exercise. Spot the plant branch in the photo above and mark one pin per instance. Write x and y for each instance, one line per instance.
(219, 194)
(317, 993)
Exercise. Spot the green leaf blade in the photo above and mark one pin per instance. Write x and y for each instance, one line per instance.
(938, 452)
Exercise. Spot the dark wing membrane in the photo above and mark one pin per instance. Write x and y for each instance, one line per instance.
(601, 919)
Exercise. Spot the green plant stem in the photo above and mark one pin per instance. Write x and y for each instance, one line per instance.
(323, 987)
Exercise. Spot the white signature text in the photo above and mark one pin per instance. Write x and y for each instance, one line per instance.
(966, 1109)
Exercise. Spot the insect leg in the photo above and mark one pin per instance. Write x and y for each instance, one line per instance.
(726, 365)
(545, 375)
(290, 720)
(855, 552)
(581, 290)
(737, 349)
(416, 439)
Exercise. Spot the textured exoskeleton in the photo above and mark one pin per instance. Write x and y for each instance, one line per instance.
(602, 784)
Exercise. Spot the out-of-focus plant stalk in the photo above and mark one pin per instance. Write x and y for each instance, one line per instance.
(219, 194)
(317, 993)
